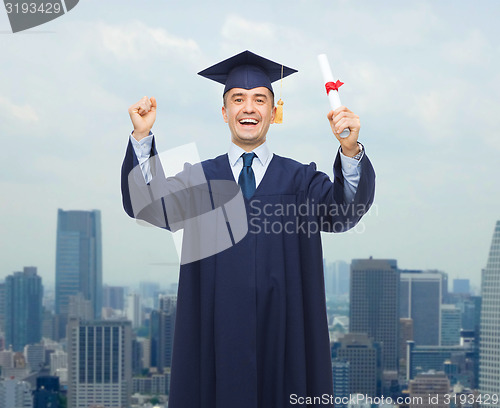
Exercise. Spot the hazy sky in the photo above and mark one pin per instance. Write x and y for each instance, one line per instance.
(422, 75)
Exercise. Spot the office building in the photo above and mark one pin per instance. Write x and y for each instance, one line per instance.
(421, 295)
(23, 308)
(78, 261)
(2, 307)
(336, 278)
(430, 388)
(113, 297)
(405, 335)
(35, 356)
(374, 308)
(489, 355)
(162, 325)
(46, 394)
(58, 360)
(99, 363)
(451, 321)
(341, 390)
(133, 310)
(15, 394)
(460, 359)
(364, 360)
(461, 286)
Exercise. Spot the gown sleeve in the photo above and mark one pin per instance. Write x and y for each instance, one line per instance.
(165, 202)
(327, 199)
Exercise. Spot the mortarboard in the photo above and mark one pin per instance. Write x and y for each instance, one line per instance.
(246, 70)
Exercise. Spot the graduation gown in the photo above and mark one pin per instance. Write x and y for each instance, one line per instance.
(251, 326)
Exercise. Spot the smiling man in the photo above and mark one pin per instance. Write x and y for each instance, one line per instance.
(251, 328)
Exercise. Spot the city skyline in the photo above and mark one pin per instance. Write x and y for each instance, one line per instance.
(422, 76)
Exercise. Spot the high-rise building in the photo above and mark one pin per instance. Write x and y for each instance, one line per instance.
(451, 321)
(46, 394)
(15, 394)
(374, 305)
(113, 297)
(421, 295)
(78, 260)
(23, 308)
(364, 363)
(405, 335)
(149, 293)
(162, 324)
(80, 308)
(336, 278)
(35, 356)
(341, 390)
(461, 286)
(429, 390)
(58, 360)
(133, 310)
(489, 356)
(99, 363)
(425, 358)
(2, 307)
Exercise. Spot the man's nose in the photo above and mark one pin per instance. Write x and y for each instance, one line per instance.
(249, 107)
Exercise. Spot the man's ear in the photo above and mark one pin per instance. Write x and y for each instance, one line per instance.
(224, 114)
(273, 114)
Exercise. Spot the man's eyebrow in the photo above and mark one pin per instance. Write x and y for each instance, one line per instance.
(236, 94)
(260, 95)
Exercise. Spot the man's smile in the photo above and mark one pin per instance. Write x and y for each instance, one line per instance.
(248, 122)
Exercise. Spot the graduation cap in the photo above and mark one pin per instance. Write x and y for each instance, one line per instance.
(248, 70)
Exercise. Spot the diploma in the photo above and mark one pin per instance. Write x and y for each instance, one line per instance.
(332, 87)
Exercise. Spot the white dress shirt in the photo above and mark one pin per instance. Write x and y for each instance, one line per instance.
(350, 166)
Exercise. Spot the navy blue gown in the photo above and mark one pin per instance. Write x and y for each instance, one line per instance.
(251, 328)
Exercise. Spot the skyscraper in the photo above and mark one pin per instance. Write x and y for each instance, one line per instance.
(23, 308)
(336, 278)
(340, 372)
(451, 320)
(420, 300)
(461, 286)
(489, 356)
(374, 309)
(99, 363)
(113, 297)
(15, 393)
(133, 310)
(78, 259)
(162, 332)
(364, 364)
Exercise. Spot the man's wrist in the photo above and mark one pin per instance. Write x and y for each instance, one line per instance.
(352, 152)
(140, 135)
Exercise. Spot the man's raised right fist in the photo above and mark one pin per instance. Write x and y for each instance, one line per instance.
(143, 115)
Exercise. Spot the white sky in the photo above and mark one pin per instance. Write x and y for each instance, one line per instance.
(423, 76)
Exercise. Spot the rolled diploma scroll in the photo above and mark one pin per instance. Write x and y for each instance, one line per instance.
(333, 95)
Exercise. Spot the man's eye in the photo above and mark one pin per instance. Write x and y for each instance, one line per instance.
(238, 100)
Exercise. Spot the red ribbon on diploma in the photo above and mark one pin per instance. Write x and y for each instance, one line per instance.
(333, 86)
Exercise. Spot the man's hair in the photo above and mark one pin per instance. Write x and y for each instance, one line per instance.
(224, 98)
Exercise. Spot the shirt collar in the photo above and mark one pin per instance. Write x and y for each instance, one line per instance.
(262, 152)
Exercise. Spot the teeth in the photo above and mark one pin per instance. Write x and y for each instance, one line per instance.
(252, 121)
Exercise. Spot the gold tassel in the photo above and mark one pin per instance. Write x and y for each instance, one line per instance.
(278, 117)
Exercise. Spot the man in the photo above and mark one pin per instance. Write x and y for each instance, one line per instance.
(251, 328)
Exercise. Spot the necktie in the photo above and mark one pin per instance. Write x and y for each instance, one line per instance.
(246, 180)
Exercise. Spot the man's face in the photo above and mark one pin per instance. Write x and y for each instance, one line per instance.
(248, 112)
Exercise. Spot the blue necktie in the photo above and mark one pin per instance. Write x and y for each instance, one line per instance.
(246, 180)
